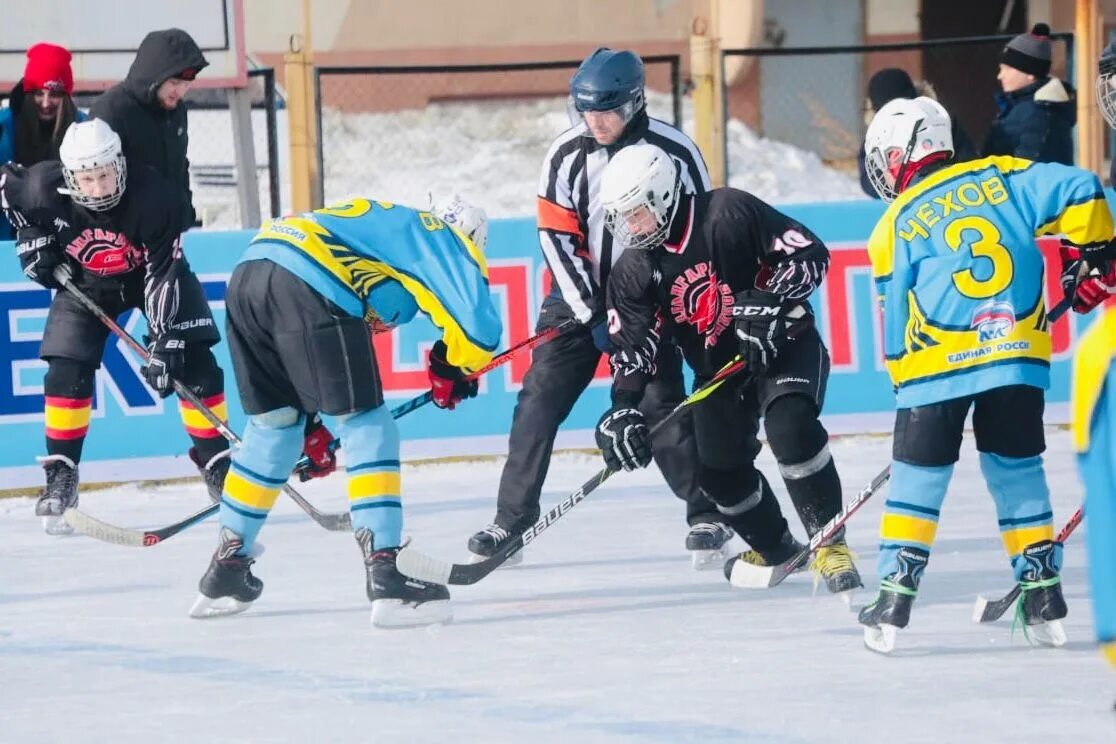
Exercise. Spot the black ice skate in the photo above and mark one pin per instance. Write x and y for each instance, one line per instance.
(488, 542)
(891, 610)
(708, 543)
(228, 586)
(59, 494)
(1041, 604)
(784, 550)
(833, 564)
(213, 472)
(397, 600)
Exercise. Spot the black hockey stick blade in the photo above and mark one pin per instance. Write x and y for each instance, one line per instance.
(95, 528)
(333, 521)
(990, 610)
(750, 576)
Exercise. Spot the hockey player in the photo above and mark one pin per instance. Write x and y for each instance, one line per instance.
(299, 306)
(724, 274)
(608, 108)
(118, 232)
(960, 280)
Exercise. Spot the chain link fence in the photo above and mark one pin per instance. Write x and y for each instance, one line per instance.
(813, 109)
(403, 133)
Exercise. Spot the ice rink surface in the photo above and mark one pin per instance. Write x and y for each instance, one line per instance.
(604, 634)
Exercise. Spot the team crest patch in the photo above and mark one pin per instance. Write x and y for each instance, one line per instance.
(993, 321)
(104, 252)
(698, 299)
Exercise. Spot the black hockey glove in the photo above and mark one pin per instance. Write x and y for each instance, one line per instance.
(166, 363)
(760, 327)
(624, 438)
(40, 256)
(448, 383)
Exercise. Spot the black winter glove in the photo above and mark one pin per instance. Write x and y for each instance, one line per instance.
(624, 439)
(166, 363)
(760, 327)
(448, 383)
(39, 257)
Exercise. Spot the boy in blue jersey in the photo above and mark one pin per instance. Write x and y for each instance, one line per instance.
(299, 304)
(960, 280)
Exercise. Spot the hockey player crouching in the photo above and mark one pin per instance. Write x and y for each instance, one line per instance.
(117, 229)
(720, 274)
(964, 323)
(298, 304)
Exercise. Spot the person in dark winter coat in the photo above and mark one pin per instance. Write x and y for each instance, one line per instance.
(39, 110)
(146, 109)
(887, 85)
(1037, 112)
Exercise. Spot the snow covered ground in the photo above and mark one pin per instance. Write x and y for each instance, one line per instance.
(489, 151)
(605, 634)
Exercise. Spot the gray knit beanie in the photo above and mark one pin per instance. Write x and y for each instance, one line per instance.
(1030, 53)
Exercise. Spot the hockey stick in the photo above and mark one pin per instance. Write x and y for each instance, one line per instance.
(986, 611)
(750, 576)
(503, 358)
(335, 522)
(420, 566)
(95, 528)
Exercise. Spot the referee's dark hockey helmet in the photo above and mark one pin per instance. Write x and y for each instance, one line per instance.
(608, 80)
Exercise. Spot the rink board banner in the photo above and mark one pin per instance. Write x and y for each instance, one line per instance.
(134, 434)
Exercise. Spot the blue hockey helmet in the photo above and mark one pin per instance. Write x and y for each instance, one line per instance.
(608, 80)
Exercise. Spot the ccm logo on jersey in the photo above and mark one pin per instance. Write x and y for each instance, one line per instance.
(104, 252)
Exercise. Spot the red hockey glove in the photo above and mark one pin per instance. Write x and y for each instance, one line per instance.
(447, 382)
(1087, 287)
(319, 450)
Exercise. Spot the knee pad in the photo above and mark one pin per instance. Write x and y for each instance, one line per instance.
(68, 378)
(280, 418)
(796, 437)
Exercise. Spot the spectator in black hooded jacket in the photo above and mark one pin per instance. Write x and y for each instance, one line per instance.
(146, 109)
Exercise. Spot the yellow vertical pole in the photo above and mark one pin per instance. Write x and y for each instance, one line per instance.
(708, 94)
(1087, 43)
(299, 68)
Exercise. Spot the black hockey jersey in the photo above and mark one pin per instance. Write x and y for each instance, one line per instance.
(721, 242)
(138, 240)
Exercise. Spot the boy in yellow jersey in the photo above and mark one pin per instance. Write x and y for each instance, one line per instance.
(299, 306)
(960, 280)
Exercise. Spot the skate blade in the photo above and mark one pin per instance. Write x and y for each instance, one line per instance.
(395, 613)
(55, 525)
(978, 608)
(708, 560)
(847, 598)
(880, 639)
(1050, 633)
(513, 560)
(205, 607)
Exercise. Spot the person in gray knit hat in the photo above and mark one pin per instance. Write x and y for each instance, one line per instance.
(1037, 111)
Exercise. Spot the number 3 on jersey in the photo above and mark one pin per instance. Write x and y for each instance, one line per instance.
(984, 244)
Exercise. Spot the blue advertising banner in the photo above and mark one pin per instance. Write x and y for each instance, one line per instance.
(136, 435)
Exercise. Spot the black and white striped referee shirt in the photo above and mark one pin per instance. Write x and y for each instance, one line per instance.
(577, 247)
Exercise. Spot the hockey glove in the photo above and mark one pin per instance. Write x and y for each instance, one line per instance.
(624, 439)
(320, 450)
(760, 326)
(448, 383)
(1086, 287)
(40, 256)
(166, 363)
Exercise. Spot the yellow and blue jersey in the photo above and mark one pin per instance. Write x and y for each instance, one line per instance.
(1094, 438)
(960, 277)
(385, 262)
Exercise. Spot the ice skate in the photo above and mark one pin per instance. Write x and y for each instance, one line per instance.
(890, 612)
(834, 564)
(399, 601)
(228, 586)
(213, 472)
(487, 543)
(59, 494)
(1041, 604)
(708, 543)
(784, 550)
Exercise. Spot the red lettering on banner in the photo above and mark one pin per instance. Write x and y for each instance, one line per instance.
(407, 379)
(840, 306)
(603, 371)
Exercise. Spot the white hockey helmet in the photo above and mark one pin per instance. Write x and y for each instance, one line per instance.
(470, 220)
(639, 191)
(904, 132)
(91, 147)
(1106, 84)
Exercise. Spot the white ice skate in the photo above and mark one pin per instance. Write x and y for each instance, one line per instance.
(881, 638)
(399, 613)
